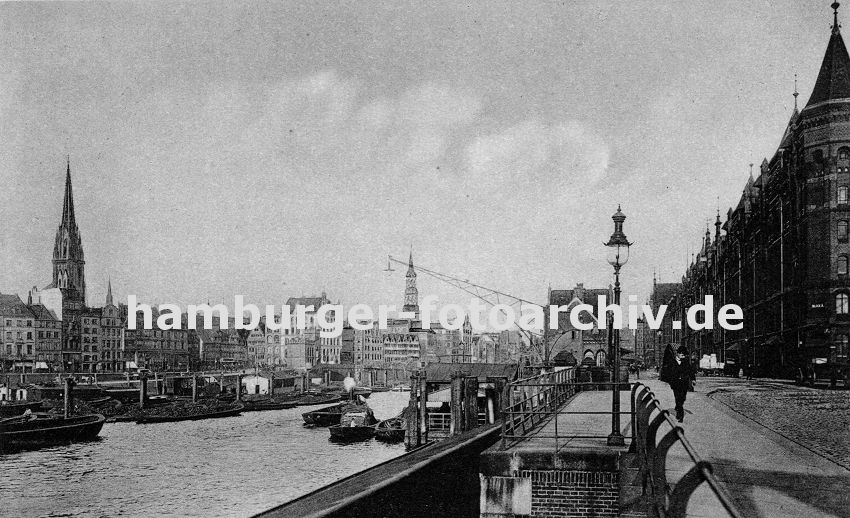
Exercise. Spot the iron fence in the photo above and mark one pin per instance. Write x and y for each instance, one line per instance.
(664, 500)
(528, 402)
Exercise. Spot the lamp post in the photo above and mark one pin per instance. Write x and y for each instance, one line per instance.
(618, 255)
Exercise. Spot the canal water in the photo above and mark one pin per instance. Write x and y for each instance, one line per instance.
(235, 466)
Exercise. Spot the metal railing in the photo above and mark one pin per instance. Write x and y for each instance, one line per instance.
(442, 421)
(439, 421)
(528, 402)
(663, 500)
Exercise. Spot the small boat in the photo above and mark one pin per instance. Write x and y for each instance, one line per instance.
(13, 408)
(314, 399)
(256, 405)
(230, 412)
(354, 426)
(401, 388)
(391, 430)
(380, 389)
(324, 416)
(41, 430)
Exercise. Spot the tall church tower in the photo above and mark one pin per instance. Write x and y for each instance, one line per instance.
(411, 294)
(68, 260)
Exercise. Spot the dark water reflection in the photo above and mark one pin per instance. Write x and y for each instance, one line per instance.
(234, 466)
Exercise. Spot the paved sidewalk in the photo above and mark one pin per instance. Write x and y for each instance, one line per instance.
(767, 475)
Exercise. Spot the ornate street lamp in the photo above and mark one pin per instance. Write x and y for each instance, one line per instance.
(618, 256)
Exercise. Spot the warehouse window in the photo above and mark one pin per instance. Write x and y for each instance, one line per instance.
(841, 346)
(842, 265)
(841, 304)
(842, 231)
(844, 153)
(842, 195)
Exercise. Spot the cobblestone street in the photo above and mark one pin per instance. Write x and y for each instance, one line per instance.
(816, 418)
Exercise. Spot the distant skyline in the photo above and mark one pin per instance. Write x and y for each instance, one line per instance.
(284, 149)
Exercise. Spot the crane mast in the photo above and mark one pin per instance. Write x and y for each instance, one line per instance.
(536, 348)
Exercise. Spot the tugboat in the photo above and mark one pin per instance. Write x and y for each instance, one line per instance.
(354, 426)
(356, 392)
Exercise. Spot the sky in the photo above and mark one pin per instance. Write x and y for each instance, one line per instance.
(278, 149)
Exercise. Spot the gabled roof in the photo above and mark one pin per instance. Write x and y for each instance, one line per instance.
(834, 77)
(42, 313)
(13, 306)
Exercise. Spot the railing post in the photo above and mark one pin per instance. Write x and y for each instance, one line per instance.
(634, 427)
(659, 468)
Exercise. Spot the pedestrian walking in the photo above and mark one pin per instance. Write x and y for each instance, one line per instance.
(678, 372)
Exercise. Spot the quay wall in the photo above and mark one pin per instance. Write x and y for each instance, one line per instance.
(572, 483)
(440, 479)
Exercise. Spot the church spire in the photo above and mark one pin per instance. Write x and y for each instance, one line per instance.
(796, 93)
(68, 259)
(411, 293)
(833, 80)
(109, 293)
(68, 205)
(835, 26)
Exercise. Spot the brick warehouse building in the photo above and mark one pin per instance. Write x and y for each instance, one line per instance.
(782, 253)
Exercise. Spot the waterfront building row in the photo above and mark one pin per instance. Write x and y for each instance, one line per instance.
(782, 252)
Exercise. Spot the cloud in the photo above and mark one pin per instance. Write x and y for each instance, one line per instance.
(324, 131)
(543, 159)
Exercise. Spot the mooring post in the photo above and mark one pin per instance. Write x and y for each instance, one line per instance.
(456, 403)
(143, 390)
(194, 388)
(423, 408)
(494, 398)
(470, 402)
(238, 388)
(413, 436)
(69, 397)
(271, 384)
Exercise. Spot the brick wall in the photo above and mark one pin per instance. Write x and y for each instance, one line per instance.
(573, 493)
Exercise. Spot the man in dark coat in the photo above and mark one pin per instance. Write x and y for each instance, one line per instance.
(679, 374)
